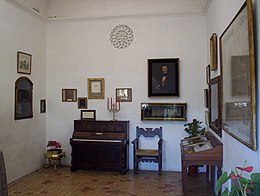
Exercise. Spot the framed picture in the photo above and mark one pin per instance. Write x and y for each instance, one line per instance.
(206, 98)
(124, 94)
(237, 61)
(96, 88)
(164, 111)
(24, 62)
(43, 106)
(215, 105)
(88, 114)
(207, 118)
(23, 98)
(163, 77)
(82, 102)
(69, 95)
(208, 74)
(213, 52)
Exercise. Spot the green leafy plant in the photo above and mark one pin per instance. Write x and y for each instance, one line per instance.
(194, 129)
(241, 186)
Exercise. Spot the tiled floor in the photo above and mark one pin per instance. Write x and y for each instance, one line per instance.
(98, 183)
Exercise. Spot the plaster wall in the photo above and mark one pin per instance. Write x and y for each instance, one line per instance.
(81, 49)
(219, 16)
(22, 141)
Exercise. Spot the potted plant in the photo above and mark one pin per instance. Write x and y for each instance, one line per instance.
(53, 148)
(240, 185)
(194, 129)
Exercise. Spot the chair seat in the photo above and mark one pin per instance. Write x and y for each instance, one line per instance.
(147, 152)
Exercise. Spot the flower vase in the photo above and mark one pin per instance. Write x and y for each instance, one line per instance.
(51, 153)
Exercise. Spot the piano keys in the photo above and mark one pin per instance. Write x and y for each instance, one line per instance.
(100, 145)
(208, 150)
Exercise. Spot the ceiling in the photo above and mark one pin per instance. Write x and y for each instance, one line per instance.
(52, 10)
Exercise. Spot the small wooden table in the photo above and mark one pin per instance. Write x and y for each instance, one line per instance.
(54, 158)
(211, 157)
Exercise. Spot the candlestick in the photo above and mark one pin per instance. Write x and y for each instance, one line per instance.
(113, 108)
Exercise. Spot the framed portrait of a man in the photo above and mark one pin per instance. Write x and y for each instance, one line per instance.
(163, 77)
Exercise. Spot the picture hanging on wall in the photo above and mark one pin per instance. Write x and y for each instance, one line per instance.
(82, 102)
(124, 94)
(69, 95)
(96, 88)
(213, 52)
(163, 77)
(239, 81)
(24, 62)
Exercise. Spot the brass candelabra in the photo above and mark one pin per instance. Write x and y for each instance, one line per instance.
(113, 107)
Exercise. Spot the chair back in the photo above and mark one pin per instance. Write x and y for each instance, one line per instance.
(148, 132)
(3, 181)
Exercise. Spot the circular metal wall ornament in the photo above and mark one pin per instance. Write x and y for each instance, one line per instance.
(121, 36)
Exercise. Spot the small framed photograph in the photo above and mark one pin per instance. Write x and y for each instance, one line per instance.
(82, 102)
(213, 52)
(69, 95)
(24, 62)
(43, 106)
(208, 74)
(88, 114)
(124, 94)
(206, 98)
(96, 88)
(163, 77)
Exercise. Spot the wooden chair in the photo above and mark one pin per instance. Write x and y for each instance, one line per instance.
(147, 155)
(3, 181)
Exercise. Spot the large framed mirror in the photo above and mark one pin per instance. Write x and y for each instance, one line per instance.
(215, 103)
(23, 98)
(237, 63)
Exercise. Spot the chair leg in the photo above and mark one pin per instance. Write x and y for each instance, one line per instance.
(135, 164)
(160, 166)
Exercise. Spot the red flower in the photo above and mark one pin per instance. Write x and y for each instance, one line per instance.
(54, 144)
(247, 169)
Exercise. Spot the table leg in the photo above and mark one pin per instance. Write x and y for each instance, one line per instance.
(185, 180)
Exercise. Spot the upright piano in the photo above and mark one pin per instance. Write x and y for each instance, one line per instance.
(205, 150)
(100, 145)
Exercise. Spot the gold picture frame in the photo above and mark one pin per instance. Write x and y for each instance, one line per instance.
(237, 39)
(213, 52)
(69, 95)
(96, 88)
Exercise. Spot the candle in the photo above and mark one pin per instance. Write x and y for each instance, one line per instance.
(116, 105)
(108, 103)
(119, 105)
(111, 102)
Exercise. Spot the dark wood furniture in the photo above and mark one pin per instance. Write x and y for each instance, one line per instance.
(211, 158)
(147, 155)
(3, 180)
(100, 145)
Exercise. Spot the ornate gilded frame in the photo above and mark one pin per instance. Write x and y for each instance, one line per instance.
(237, 42)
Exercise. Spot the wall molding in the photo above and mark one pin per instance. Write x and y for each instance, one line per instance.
(27, 9)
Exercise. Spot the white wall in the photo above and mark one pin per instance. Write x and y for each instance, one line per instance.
(81, 49)
(22, 141)
(219, 15)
